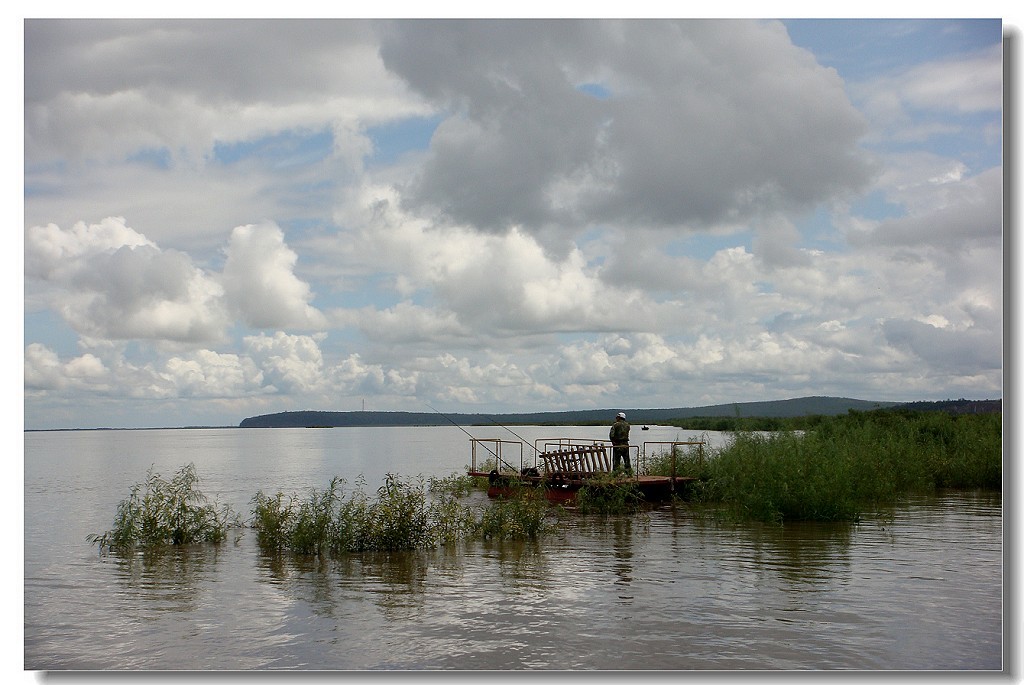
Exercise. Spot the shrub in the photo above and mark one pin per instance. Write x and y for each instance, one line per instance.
(162, 512)
(605, 493)
(272, 520)
(848, 463)
(523, 515)
(400, 517)
(456, 484)
(450, 520)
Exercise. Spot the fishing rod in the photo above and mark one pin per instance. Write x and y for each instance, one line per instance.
(501, 425)
(494, 453)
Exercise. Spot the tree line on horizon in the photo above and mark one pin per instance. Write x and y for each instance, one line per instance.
(770, 415)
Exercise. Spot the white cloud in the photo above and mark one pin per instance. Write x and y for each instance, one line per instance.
(973, 84)
(620, 213)
(483, 284)
(404, 323)
(206, 373)
(44, 371)
(954, 352)
(694, 133)
(259, 281)
(151, 104)
(49, 249)
(184, 84)
(111, 282)
(951, 214)
(290, 363)
(108, 281)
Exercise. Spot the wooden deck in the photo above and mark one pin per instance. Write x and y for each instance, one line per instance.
(564, 471)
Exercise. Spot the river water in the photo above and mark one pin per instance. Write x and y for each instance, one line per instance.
(918, 587)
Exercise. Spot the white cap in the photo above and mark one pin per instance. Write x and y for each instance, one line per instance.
(621, 415)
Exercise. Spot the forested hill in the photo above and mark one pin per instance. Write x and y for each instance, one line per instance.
(803, 406)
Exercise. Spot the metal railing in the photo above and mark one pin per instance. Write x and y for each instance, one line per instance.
(495, 448)
(674, 444)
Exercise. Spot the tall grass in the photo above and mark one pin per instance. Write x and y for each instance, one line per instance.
(166, 512)
(326, 521)
(401, 517)
(524, 514)
(847, 464)
(606, 493)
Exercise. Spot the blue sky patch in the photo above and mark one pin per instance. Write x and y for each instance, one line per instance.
(394, 139)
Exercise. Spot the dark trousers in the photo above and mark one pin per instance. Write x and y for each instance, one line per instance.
(620, 453)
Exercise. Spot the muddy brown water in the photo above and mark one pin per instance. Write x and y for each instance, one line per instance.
(917, 587)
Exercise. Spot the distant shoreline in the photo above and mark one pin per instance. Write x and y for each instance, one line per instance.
(143, 428)
(798, 407)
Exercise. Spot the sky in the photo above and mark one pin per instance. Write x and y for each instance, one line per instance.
(226, 218)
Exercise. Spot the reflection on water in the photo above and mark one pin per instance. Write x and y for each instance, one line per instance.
(622, 544)
(665, 590)
(165, 579)
(917, 587)
(804, 556)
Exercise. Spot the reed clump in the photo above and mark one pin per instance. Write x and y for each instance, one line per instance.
(846, 464)
(329, 522)
(400, 517)
(607, 493)
(167, 512)
(324, 522)
(456, 484)
(523, 514)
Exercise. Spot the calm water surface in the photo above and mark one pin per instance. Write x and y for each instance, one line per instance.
(917, 588)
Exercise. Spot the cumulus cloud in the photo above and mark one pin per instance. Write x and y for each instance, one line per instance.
(174, 110)
(946, 350)
(481, 284)
(111, 282)
(692, 132)
(44, 371)
(182, 85)
(206, 373)
(965, 84)
(201, 374)
(291, 363)
(49, 250)
(260, 283)
(405, 323)
(959, 214)
(503, 214)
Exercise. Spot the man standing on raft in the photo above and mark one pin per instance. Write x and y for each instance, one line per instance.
(619, 435)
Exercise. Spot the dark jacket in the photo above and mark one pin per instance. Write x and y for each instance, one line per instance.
(619, 434)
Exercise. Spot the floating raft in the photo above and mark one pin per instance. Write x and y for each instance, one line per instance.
(566, 469)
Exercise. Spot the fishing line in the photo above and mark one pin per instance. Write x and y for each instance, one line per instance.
(471, 437)
(509, 430)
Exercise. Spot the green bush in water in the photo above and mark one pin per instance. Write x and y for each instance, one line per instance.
(272, 520)
(783, 477)
(847, 464)
(458, 485)
(400, 517)
(525, 514)
(690, 460)
(166, 512)
(606, 493)
(450, 519)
